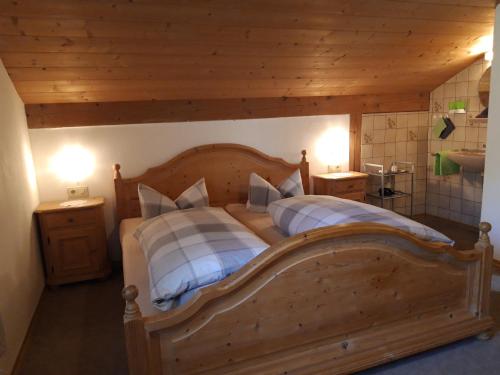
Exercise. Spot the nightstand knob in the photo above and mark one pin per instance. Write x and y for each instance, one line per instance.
(71, 220)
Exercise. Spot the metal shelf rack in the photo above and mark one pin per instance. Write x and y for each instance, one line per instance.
(389, 178)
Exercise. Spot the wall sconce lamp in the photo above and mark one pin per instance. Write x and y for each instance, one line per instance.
(73, 164)
(332, 148)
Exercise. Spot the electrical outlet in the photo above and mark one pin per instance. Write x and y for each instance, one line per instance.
(78, 192)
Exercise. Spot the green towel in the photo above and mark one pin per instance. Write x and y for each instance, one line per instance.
(444, 166)
(438, 128)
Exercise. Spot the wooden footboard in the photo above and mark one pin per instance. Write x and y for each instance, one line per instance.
(332, 300)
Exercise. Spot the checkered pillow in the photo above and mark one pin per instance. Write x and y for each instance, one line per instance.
(153, 203)
(260, 194)
(292, 186)
(194, 196)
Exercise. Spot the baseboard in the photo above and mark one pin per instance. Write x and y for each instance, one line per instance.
(19, 359)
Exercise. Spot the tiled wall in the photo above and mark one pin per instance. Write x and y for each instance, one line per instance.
(389, 137)
(457, 197)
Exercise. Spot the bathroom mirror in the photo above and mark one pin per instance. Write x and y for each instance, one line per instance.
(484, 87)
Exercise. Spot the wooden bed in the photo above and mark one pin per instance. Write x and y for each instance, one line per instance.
(333, 300)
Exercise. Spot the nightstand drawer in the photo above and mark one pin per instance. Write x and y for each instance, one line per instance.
(70, 218)
(348, 186)
(358, 196)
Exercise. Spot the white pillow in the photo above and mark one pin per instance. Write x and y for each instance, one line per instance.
(292, 186)
(153, 203)
(260, 194)
(194, 196)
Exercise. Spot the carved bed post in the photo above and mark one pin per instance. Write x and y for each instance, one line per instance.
(304, 172)
(119, 193)
(135, 335)
(486, 248)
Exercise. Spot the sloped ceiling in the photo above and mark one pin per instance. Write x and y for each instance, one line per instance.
(67, 51)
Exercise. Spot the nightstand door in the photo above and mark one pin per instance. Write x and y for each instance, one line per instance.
(74, 251)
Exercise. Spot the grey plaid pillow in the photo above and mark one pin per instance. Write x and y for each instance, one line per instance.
(292, 186)
(153, 203)
(261, 193)
(194, 196)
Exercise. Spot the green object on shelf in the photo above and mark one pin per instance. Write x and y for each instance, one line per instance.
(457, 104)
(443, 166)
(438, 128)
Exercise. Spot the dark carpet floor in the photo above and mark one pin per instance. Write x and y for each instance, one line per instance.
(78, 330)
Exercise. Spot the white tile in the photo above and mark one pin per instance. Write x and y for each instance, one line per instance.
(444, 213)
(472, 88)
(456, 204)
(475, 73)
(390, 135)
(460, 119)
(482, 133)
(390, 122)
(478, 195)
(445, 188)
(433, 199)
(431, 210)
(423, 119)
(473, 103)
(463, 76)
(468, 193)
(402, 120)
(449, 90)
(471, 134)
(378, 136)
(379, 122)
(438, 93)
(401, 135)
(366, 151)
(459, 134)
(477, 209)
(461, 89)
(413, 120)
(422, 134)
(455, 216)
(378, 150)
(467, 207)
(390, 149)
(456, 190)
(401, 151)
(444, 202)
(412, 134)
(411, 147)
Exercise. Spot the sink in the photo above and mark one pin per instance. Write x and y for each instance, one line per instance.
(470, 160)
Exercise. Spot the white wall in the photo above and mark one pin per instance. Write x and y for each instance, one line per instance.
(21, 276)
(491, 187)
(138, 147)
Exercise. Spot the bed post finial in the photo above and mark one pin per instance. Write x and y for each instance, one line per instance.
(116, 168)
(132, 310)
(484, 269)
(484, 229)
(135, 334)
(304, 152)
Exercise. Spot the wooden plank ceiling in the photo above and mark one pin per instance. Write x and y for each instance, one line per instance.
(67, 51)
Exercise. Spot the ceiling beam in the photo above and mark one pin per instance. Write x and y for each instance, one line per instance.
(114, 113)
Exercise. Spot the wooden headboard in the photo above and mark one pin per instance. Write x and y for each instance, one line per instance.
(225, 166)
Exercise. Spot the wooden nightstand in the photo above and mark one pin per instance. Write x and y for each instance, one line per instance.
(347, 185)
(74, 241)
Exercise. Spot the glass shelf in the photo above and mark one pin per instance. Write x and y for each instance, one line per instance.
(397, 194)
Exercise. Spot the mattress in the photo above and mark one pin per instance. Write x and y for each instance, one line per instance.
(260, 223)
